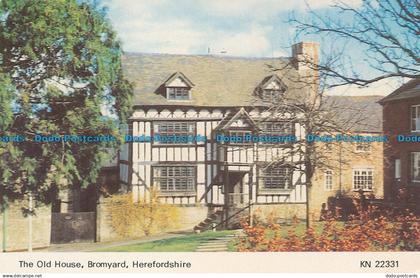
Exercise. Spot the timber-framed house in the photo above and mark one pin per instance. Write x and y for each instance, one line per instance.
(208, 100)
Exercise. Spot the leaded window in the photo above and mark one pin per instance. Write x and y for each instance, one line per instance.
(178, 93)
(275, 177)
(363, 179)
(278, 128)
(173, 179)
(364, 147)
(271, 95)
(328, 180)
(174, 132)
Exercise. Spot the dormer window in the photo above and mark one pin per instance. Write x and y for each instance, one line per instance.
(178, 87)
(272, 89)
(178, 93)
(271, 95)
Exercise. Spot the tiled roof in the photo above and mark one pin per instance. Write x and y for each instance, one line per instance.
(411, 89)
(218, 81)
(359, 113)
(231, 82)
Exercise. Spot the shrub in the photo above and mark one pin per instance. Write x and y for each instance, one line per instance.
(134, 219)
(370, 229)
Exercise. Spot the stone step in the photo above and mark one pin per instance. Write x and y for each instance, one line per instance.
(214, 245)
(217, 242)
(212, 250)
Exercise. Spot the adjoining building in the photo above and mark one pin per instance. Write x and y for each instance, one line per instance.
(401, 122)
(353, 167)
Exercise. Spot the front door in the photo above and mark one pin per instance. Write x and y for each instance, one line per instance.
(235, 188)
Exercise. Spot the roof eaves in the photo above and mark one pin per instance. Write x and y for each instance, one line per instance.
(393, 96)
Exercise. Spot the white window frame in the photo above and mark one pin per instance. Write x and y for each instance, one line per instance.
(175, 176)
(361, 169)
(177, 131)
(412, 155)
(366, 147)
(413, 120)
(242, 134)
(328, 180)
(276, 128)
(271, 95)
(273, 175)
(174, 89)
(397, 169)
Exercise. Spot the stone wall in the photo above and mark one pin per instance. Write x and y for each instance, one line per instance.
(280, 211)
(189, 216)
(344, 159)
(17, 227)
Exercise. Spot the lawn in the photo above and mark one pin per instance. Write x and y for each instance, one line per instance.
(187, 243)
(190, 242)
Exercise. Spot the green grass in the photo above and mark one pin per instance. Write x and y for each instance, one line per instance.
(187, 243)
(190, 242)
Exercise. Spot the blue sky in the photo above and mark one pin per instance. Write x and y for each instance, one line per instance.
(250, 28)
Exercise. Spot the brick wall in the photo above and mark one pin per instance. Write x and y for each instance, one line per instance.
(397, 118)
(17, 228)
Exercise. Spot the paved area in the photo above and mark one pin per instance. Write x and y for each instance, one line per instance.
(96, 246)
(219, 244)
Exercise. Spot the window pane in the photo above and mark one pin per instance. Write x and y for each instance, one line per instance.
(175, 132)
(174, 178)
(415, 166)
(178, 93)
(415, 118)
(276, 177)
(363, 179)
(397, 168)
(328, 180)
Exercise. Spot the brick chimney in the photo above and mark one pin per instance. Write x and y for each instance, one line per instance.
(305, 58)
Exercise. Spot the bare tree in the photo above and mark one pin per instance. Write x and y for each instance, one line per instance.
(387, 31)
(319, 116)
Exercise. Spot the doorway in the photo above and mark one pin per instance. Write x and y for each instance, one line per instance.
(237, 195)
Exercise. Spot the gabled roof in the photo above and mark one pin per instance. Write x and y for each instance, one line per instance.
(219, 81)
(411, 89)
(181, 76)
(272, 78)
(359, 113)
(234, 117)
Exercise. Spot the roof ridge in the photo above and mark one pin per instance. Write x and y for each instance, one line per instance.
(408, 85)
(131, 53)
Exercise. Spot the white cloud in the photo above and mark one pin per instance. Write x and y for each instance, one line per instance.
(383, 87)
(266, 7)
(141, 30)
(182, 37)
(167, 26)
(250, 43)
(174, 37)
